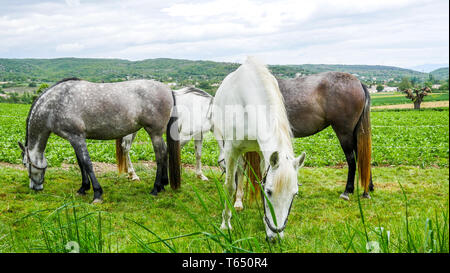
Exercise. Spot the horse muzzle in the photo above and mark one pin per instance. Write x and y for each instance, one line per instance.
(36, 186)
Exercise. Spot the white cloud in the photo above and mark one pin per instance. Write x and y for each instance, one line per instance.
(73, 3)
(71, 47)
(401, 33)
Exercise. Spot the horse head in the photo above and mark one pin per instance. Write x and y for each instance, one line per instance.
(36, 172)
(279, 188)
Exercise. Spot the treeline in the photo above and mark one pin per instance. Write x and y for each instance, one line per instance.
(181, 71)
(206, 75)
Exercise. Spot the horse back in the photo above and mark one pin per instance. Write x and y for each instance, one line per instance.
(107, 110)
(314, 102)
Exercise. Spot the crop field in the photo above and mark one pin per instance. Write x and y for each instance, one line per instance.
(389, 98)
(408, 211)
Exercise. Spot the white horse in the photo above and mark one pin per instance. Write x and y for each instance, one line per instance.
(194, 120)
(249, 115)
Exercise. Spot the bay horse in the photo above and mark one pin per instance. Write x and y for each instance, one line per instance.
(77, 110)
(338, 99)
(249, 115)
(194, 120)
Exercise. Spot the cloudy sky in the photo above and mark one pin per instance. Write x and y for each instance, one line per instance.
(403, 33)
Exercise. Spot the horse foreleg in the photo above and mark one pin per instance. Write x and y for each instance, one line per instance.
(160, 149)
(238, 205)
(79, 145)
(198, 158)
(85, 183)
(230, 189)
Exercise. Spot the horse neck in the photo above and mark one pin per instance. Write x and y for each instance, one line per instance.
(37, 138)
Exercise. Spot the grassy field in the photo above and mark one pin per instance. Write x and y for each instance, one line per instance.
(399, 138)
(131, 220)
(408, 211)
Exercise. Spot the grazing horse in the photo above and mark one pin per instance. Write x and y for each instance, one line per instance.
(338, 99)
(194, 119)
(77, 110)
(249, 115)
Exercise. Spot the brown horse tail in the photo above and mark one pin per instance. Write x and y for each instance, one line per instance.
(252, 167)
(121, 163)
(364, 143)
(173, 148)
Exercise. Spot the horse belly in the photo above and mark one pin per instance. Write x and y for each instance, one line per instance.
(112, 128)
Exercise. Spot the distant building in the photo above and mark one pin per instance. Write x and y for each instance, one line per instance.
(172, 84)
(390, 89)
(372, 89)
(436, 86)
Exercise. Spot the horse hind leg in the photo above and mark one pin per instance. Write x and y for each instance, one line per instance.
(126, 147)
(160, 149)
(348, 145)
(198, 158)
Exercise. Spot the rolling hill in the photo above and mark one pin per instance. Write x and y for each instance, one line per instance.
(167, 70)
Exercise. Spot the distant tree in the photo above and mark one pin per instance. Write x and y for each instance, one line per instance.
(32, 84)
(204, 85)
(380, 87)
(418, 95)
(428, 84)
(404, 84)
(444, 85)
(41, 88)
(39, 91)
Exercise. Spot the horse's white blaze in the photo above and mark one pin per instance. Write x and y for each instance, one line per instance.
(261, 126)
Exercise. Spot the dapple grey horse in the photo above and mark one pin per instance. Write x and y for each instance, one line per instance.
(77, 110)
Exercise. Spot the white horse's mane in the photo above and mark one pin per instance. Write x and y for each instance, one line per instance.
(275, 99)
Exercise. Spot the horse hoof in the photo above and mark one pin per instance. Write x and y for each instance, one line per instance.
(238, 208)
(135, 178)
(366, 195)
(225, 226)
(344, 196)
(202, 177)
(81, 193)
(154, 192)
(97, 201)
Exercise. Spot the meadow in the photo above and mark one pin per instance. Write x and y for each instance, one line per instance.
(408, 211)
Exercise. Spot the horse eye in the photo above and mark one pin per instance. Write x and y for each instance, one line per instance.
(269, 192)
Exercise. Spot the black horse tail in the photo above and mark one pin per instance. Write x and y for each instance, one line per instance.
(121, 161)
(173, 148)
(363, 136)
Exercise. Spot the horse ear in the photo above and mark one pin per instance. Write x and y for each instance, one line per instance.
(274, 160)
(21, 146)
(299, 161)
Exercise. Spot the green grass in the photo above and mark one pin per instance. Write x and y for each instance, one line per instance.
(399, 138)
(187, 220)
(390, 98)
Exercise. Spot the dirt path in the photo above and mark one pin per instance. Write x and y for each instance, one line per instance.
(102, 167)
(429, 104)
